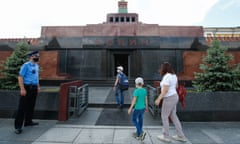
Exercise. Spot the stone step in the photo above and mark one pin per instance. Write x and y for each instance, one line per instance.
(99, 83)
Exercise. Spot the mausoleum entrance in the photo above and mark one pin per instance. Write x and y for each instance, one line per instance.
(120, 58)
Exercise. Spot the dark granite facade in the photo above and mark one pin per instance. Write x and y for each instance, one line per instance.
(96, 58)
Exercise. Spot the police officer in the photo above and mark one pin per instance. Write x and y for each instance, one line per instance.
(28, 81)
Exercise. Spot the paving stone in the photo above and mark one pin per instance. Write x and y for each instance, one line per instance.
(94, 136)
(98, 94)
(124, 136)
(66, 135)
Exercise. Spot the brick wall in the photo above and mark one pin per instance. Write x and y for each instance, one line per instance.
(3, 57)
(192, 60)
(48, 63)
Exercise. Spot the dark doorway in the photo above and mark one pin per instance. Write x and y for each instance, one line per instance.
(121, 60)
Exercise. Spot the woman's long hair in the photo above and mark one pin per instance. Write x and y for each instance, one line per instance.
(166, 68)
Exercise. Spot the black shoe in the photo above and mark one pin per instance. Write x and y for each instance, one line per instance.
(118, 106)
(18, 131)
(31, 124)
(121, 106)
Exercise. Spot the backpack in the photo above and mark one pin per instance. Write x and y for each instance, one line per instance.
(182, 94)
(123, 82)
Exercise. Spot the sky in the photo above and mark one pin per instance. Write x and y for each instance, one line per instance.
(24, 18)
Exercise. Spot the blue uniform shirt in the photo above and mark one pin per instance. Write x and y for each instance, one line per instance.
(30, 73)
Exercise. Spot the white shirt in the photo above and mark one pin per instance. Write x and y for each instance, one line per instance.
(171, 81)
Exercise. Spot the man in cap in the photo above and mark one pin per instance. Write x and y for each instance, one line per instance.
(120, 101)
(28, 81)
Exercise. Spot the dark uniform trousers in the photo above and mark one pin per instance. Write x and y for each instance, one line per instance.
(26, 106)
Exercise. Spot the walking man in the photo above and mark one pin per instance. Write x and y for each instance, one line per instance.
(117, 87)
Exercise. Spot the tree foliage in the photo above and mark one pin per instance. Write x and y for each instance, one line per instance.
(217, 74)
(12, 66)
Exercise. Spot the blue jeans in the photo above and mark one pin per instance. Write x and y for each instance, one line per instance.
(121, 93)
(137, 119)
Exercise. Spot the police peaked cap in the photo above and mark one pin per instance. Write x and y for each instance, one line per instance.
(32, 53)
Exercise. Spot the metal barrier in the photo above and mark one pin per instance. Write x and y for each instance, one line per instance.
(152, 95)
(77, 100)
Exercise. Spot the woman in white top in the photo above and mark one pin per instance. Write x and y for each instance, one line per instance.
(169, 97)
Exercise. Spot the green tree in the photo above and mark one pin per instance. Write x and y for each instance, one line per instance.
(217, 74)
(12, 66)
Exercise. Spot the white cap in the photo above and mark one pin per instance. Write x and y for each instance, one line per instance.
(120, 68)
(139, 80)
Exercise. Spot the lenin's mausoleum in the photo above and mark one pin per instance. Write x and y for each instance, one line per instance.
(93, 51)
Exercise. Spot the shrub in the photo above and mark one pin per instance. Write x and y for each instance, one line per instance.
(217, 74)
(12, 66)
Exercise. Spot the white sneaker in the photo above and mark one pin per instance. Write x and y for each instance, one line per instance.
(178, 138)
(162, 138)
(142, 136)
